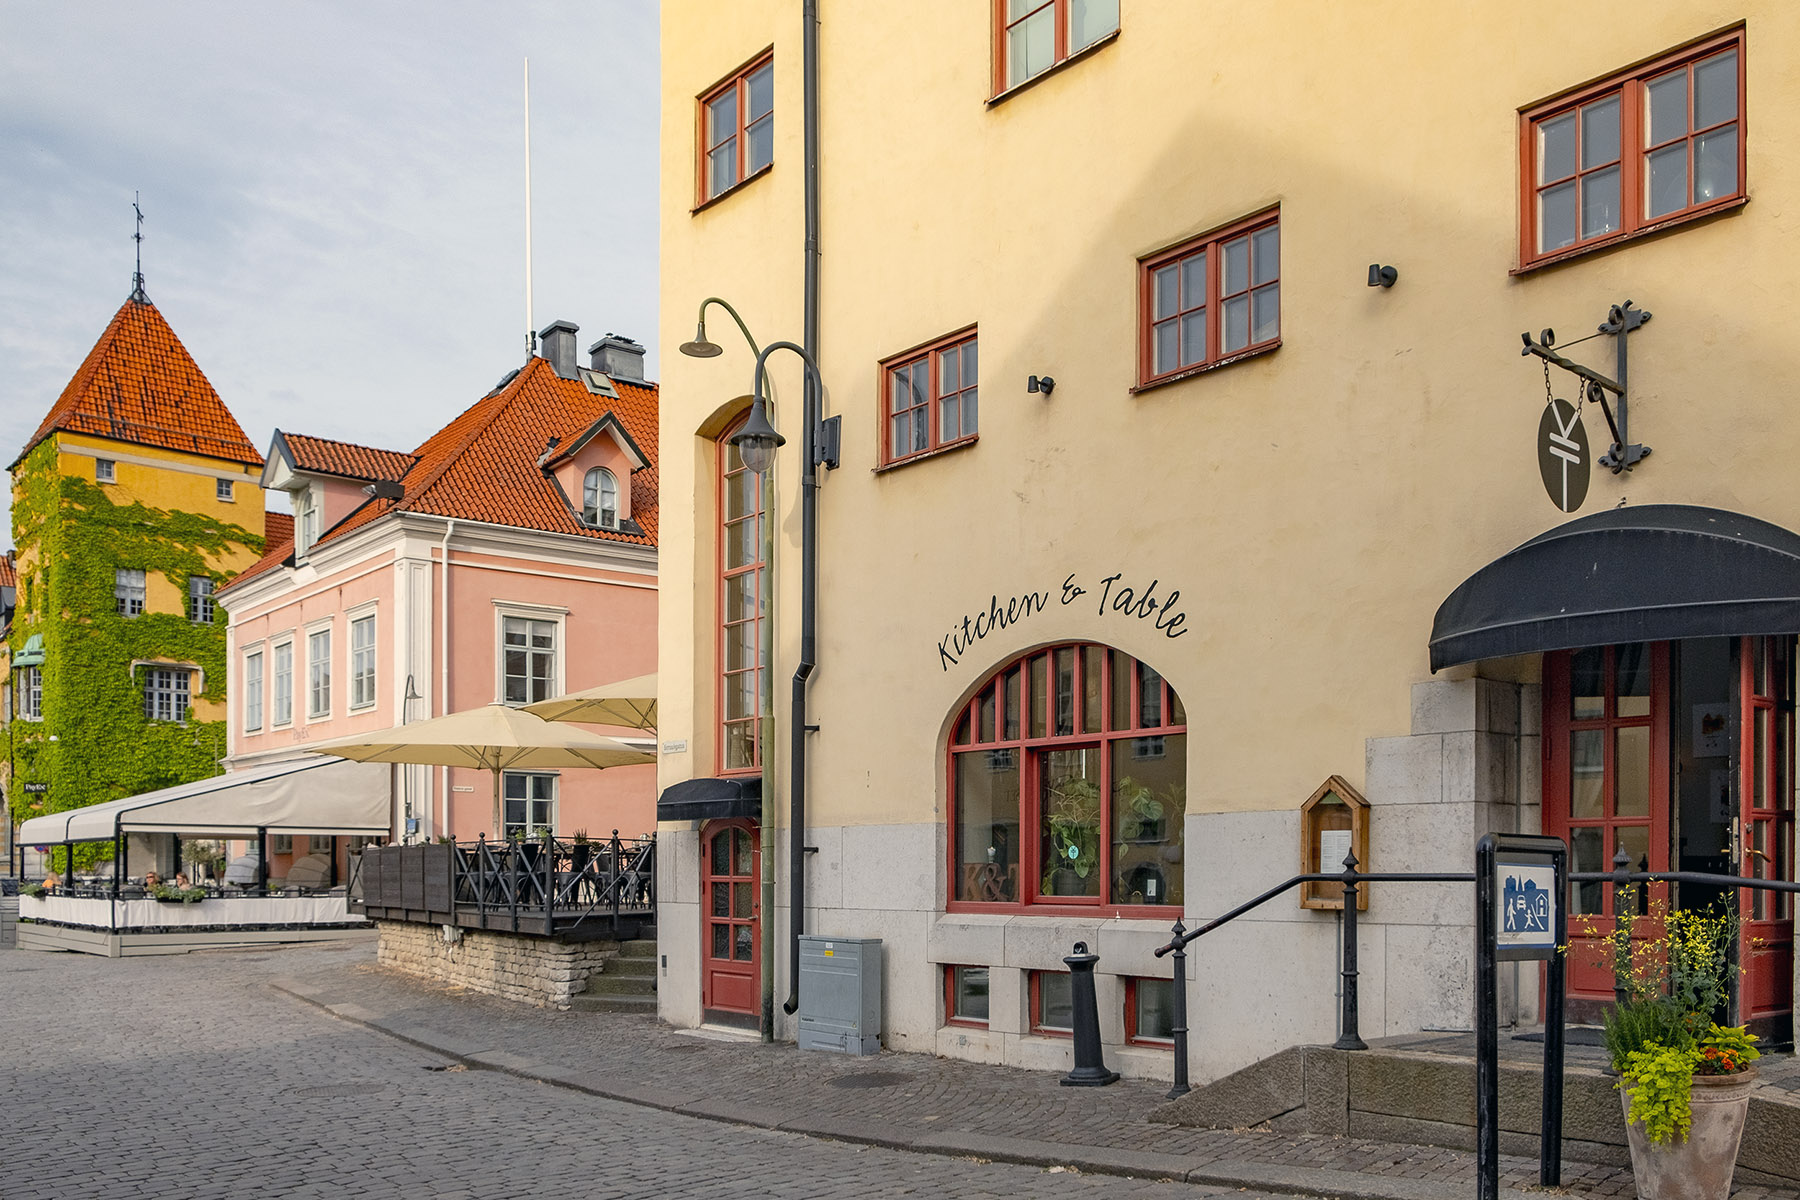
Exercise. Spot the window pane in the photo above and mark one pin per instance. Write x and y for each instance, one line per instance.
(1165, 285)
(1587, 853)
(1759, 786)
(950, 419)
(1149, 697)
(1715, 90)
(1069, 821)
(741, 547)
(721, 941)
(741, 945)
(900, 389)
(1587, 773)
(740, 494)
(1266, 313)
(721, 167)
(1037, 696)
(1600, 132)
(984, 716)
(1668, 181)
(721, 118)
(1030, 45)
(1556, 217)
(1666, 99)
(760, 149)
(762, 93)
(1634, 840)
(1631, 671)
(1587, 684)
(1556, 148)
(971, 364)
(1149, 810)
(1237, 266)
(1091, 20)
(740, 745)
(1193, 338)
(1167, 337)
(970, 406)
(900, 434)
(740, 695)
(740, 599)
(971, 985)
(1155, 1015)
(1715, 165)
(1009, 686)
(987, 825)
(949, 372)
(1091, 677)
(1193, 280)
(1631, 764)
(1056, 1004)
(1122, 716)
(1265, 255)
(740, 646)
(1235, 334)
(1600, 202)
(740, 900)
(1065, 691)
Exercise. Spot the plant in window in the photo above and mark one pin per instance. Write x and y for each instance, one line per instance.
(1145, 810)
(1073, 817)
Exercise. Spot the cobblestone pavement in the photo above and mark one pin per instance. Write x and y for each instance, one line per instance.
(189, 1077)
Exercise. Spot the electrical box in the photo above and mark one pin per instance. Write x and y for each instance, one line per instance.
(840, 994)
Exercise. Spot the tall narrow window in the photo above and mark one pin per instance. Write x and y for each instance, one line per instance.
(1210, 300)
(600, 499)
(253, 691)
(737, 129)
(932, 398)
(1031, 36)
(166, 695)
(528, 652)
(362, 661)
(128, 592)
(283, 684)
(743, 578)
(200, 600)
(31, 693)
(306, 520)
(318, 674)
(1660, 143)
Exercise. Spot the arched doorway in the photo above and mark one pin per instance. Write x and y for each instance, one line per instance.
(731, 937)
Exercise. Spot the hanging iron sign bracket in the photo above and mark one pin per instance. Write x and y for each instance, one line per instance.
(1621, 319)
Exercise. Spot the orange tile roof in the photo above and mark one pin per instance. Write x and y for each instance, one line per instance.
(277, 527)
(278, 545)
(139, 385)
(483, 465)
(9, 574)
(325, 456)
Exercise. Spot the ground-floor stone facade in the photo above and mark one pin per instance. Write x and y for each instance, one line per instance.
(535, 970)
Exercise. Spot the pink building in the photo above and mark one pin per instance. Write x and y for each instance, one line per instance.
(510, 558)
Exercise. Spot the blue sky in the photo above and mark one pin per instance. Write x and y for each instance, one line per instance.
(333, 196)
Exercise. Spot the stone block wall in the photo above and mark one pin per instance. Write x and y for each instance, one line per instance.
(534, 970)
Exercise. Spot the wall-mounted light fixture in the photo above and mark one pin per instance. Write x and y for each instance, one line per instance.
(1040, 383)
(1380, 276)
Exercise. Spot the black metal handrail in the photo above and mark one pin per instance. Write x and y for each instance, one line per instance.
(554, 879)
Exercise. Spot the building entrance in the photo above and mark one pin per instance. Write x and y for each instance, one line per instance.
(731, 941)
(1681, 754)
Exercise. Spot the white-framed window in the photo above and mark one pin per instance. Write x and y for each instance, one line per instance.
(600, 498)
(128, 592)
(318, 673)
(222, 490)
(105, 471)
(528, 659)
(200, 600)
(253, 690)
(530, 799)
(166, 693)
(281, 843)
(31, 693)
(283, 678)
(362, 661)
(306, 520)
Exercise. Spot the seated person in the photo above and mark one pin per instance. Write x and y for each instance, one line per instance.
(51, 882)
(181, 880)
(152, 880)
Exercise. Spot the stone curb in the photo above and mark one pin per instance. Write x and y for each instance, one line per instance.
(1325, 1182)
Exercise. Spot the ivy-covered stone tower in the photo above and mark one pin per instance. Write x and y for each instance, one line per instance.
(135, 499)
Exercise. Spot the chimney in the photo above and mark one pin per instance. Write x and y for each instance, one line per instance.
(618, 357)
(558, 347)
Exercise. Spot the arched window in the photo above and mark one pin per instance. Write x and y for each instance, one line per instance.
(1068, 785)
(600, 498)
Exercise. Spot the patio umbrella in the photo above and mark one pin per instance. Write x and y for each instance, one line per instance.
(494, 737)
(628, 704)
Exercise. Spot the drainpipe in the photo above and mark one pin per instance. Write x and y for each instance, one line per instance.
(809, 509)
(444, 657)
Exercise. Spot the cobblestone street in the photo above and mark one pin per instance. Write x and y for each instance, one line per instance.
(191, 1077)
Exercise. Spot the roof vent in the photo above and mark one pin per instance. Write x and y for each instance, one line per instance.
(619, 357)
(599, 384)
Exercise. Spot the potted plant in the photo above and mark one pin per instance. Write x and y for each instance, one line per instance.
(1072, 819)
(580, 852)
(1684, 1079)
(1140, 812)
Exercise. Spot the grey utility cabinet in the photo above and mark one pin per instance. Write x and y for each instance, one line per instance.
(840, 994)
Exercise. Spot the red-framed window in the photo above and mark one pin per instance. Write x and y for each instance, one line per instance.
(743, 586)
(1032, 36)
(1660, 143)
(930, 398)
(966, 996)
(1068, 786)
(1210, 300)
(737, 128)
(1150, 1011)
(1052, 1004)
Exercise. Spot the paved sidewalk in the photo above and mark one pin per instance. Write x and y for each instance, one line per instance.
(906, 1101)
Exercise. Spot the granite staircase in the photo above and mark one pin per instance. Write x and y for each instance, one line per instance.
(627, 984)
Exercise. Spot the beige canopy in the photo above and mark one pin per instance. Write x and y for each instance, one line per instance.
(627, 704)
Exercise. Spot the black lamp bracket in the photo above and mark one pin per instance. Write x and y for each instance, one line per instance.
(1621, 319)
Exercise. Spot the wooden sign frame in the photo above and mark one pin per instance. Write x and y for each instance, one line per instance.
(1336, 807)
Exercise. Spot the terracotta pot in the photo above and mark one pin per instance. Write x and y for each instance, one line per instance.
(1701, 1167)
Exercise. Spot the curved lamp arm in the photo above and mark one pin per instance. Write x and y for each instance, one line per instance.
(726, 305)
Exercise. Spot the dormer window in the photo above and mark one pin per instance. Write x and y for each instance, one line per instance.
(600, 499)
(306, 520)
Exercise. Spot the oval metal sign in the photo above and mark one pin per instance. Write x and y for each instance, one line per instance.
(1563, 458)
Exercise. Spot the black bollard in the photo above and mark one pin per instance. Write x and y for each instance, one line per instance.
(1090, 1069)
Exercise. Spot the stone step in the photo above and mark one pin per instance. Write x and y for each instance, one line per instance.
(613, 1003)
(631, 968)
(644, 947)
(611, 984)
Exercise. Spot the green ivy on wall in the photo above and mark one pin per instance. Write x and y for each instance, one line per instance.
(94, 743)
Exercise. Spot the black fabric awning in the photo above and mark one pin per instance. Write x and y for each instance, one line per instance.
(711, 799)
(1651, 573)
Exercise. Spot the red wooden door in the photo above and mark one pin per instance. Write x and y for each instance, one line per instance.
(731, 940)
(1762, 836)
(1606, 785)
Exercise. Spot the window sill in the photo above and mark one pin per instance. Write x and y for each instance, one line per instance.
(1044, 1031)
(921, 456)
(965, 1023)
(733, 190)
(1203, 368)
(1720, 209)
(1052, 69)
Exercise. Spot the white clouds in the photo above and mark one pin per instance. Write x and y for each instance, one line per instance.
(333, 196)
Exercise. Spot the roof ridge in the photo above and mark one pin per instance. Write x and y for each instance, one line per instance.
(313, 437)
(503, 399)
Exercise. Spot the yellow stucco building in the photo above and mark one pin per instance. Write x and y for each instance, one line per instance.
(1159, 503)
